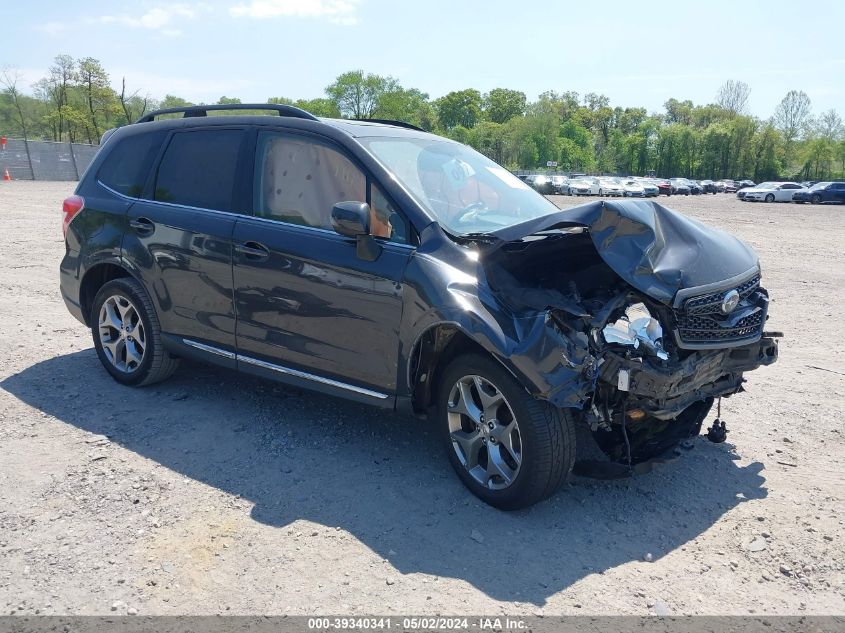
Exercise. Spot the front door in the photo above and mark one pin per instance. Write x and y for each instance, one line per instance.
(306, 303)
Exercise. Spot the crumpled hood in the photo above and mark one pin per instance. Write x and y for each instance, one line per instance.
(656, 250)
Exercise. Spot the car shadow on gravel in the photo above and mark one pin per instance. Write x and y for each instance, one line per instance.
(383, 477)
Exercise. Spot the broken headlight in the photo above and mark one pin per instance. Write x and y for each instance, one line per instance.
(635, 328)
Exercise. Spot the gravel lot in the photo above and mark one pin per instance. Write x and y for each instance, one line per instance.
(216, 493)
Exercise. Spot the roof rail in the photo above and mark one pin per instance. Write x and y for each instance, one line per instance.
(392, 122)
(202, 110)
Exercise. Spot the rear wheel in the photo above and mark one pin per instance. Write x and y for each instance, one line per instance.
(127, 334)
(510, 449)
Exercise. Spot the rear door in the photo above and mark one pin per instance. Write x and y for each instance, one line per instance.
(180, 237)
(837, 192)
(308, 306)
(785, 192)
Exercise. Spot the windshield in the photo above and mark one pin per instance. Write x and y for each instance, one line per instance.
(767, 185)
(820, 185)
(466, 191)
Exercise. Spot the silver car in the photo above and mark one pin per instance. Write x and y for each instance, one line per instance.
(772, 192)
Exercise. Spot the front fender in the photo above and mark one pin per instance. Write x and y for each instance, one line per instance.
(549, 362)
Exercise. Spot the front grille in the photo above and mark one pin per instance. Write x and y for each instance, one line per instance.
(710, 303)
(700, 322)
(702, 329)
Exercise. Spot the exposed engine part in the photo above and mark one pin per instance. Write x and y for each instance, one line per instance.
(635, 328)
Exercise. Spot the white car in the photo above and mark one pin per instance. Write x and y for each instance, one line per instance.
(772, 192)
(584, 187)
(611, 188)
(636, 189)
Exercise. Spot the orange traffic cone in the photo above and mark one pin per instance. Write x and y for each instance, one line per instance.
(6, 175)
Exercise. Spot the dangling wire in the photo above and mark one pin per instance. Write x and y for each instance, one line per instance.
(625, 437)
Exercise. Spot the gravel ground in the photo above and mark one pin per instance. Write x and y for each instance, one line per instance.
(216, 493)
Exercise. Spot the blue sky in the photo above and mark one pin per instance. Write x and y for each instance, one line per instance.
(638, 54)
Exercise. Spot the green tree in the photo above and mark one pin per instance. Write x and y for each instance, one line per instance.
(791, 117)
(409, 105)
(462, 108)
(500, 105)
(100, 100)
(172, 101)
(357, 95)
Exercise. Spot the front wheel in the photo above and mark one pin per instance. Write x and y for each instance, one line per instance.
(127, 334)
(510, 449)
(815, 199)
(770, 198)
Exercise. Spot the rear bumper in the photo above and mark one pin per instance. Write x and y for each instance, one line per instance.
(69, 287)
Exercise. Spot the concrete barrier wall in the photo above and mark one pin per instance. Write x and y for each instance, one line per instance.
(45, 160)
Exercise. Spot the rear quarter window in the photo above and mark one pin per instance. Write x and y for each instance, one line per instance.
(126, 166)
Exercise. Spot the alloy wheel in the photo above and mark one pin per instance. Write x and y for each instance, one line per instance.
(484, 432)
(122, 333)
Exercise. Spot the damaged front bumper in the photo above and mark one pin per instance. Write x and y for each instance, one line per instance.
(665, 391)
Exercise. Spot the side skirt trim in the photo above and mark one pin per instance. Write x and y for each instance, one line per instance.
(284, 370)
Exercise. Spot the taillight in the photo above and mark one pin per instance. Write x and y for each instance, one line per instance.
(70, 207)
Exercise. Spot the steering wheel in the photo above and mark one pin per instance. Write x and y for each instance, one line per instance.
(469, 212)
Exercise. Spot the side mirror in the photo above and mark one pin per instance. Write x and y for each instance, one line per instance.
(351, 218)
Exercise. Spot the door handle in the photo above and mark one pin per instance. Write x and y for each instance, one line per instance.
(142, 226)
(253, 251)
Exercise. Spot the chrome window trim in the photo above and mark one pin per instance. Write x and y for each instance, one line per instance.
(727, 284)
(235, 214)
(228, 214)
(283, 370)
(317, 229)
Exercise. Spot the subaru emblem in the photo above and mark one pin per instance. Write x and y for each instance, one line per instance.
(729, 302)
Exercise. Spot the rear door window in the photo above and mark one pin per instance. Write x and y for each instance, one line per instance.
(199, 169)
(126, 167)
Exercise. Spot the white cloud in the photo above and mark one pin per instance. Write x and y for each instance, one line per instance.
(159, 18)
(336, 11)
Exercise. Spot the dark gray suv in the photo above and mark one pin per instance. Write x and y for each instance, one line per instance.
(377, 262)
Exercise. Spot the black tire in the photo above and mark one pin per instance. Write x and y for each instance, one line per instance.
(770, 197)
(547, 436)
(157, 364)
(815, 199)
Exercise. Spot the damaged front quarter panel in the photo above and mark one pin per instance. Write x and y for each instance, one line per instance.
(558, 357)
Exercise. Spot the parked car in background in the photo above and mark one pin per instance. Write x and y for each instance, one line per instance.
(821, 192)
(664, 187)
(610, 187)
(729, 186)
(634, 188)
(649, 188)
(708, 186)
(745, 183)
(540, 183)
(584, 187)
(772, 192)
(560, 185)
(694, 187)
(680, 187)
